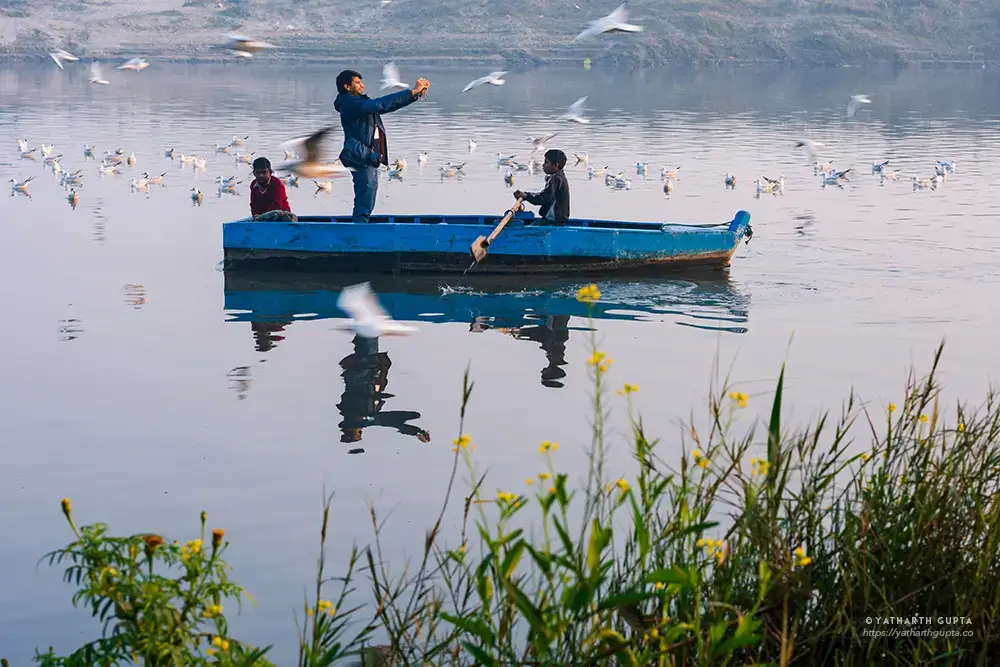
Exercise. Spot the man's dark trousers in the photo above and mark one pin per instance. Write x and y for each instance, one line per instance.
(365, 188)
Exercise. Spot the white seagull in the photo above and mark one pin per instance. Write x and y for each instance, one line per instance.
(575, 112)
(616, 21)
(390, 77)
(244, 46)
(311, 167)
(370, 320)
(136, 64)
(855, 103)
(62, 55)
(810, 147)
(493, 78)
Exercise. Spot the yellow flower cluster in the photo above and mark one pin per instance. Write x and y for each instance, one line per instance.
(547, 447)
(628, 389)
(220, 643)
(864, 457)
(326, 607)
(213, 610)
(544, 476)
(505, 496)
(623, 485)
(700, 459)
(461, 442)
(892, 407)
(190, 548)
(601, 360)
(588, 294)
(960, 428)
(759, 467)
(801, 559)
(924, 418)
(717, 549)
(739, 397)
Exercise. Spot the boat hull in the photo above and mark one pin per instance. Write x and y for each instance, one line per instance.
(440, 244)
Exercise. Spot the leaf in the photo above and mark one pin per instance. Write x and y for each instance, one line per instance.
(511, 560)
(594, 547)
(481, 656)
(641, 531)
(532, 614)
(697, 528)
(774, 428)
(622, 599)
(472, 626)
(675, 575)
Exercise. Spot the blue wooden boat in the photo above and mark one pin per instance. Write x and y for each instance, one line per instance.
(441, 243)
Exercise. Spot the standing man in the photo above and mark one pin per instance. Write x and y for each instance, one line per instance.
(365, 147)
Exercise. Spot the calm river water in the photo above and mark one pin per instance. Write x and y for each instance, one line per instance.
(143, 382)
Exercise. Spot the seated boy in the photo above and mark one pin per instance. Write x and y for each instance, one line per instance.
(268, 199)
(553, 200)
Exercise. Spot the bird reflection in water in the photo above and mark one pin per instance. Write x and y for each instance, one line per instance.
(366, 373)
(240, 379)
(551, 333)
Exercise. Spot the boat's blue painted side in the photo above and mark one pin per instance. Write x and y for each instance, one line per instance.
(441, 243)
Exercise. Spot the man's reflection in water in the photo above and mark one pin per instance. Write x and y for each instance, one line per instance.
(550, 335)
(366, 373)
(265, 334)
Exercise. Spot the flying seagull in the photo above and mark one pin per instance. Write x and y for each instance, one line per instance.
(855, 103)
(491, 78)
(616, 21)
(369, 318)
(137, 64)
(62, 55)
(575, 112)
(311, 167)
(390, 77)
(246, 47)
(95, 75)
(810, 147)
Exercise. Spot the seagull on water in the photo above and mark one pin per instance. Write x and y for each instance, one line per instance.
(575, 112)
(370, 320)
(493, 78)
(616, 21)
(855, 103)
(61, 56)
(310, 167)
(391, 78)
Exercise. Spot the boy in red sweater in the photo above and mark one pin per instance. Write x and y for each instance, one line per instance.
(268, 199)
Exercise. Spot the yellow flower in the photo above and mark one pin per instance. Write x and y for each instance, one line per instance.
(628, 389)
(210, 651)
(67, 506)
(529, 481)
(461, 442)
(701, 542)
(623, 485)
(544, 476)
(739, 397)
(652, 634)
(552, 489)
(217, 535)
(892, 407)
(309, 612)
(759, 467)
(659, 585)
(701, 460)
(462, 548)
(547, 447)
(588, 294)
(865, 457)
(801, 558)
(596, 358)
(960, 427)
(213, 610)
(923, 418)
(504, 496)
(220, 642)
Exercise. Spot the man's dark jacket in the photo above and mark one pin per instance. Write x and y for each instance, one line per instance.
(359, 116)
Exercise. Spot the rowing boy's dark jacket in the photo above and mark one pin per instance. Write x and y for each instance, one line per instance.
(360, 117)
(553, 200)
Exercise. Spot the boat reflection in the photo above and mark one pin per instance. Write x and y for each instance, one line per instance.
(524, 308)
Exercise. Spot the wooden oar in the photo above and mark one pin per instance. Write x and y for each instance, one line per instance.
(481, 245)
